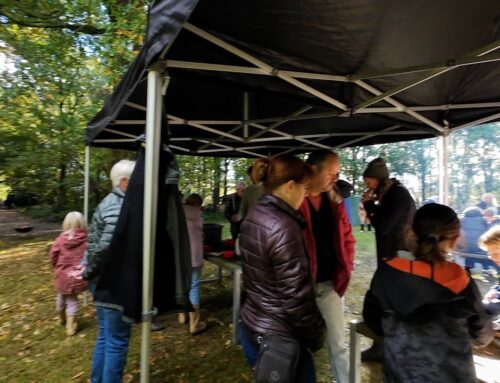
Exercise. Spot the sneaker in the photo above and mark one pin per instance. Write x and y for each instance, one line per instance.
(157, 326)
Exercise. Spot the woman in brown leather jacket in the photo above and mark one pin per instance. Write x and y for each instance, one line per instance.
(276, 276)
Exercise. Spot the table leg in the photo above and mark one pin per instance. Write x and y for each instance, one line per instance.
(355, 353)
(219, 275)
(236, 303)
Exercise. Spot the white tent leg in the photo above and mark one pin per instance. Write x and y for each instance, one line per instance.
(443, 169)
(86, 184)
(153, 130)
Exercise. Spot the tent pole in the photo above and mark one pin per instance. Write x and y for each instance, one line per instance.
(152, 155)
(245, 114)
(443, 169)
(86, 183)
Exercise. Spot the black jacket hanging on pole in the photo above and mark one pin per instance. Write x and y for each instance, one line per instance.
(120, 282)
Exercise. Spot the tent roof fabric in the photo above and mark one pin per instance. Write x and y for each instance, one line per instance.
(254, 78)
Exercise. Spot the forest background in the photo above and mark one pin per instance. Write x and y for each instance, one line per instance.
(60, 59)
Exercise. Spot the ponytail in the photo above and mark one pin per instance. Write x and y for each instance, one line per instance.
(428, 249)
(434, 225)
(274, 172)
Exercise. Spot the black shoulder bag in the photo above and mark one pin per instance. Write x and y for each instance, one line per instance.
(278, 358)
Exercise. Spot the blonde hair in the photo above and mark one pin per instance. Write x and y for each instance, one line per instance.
(74, 220)
(491, 237)
(123, 168)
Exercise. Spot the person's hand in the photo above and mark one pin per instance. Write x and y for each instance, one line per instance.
(77, 272)
(491, 295)
(368, 195)
(234, 218)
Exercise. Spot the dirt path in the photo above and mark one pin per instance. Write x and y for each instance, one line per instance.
(12, 218)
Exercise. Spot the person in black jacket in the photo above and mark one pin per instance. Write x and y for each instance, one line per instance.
(390, 209)
(427, 308)
(280, 296)
(232, 207)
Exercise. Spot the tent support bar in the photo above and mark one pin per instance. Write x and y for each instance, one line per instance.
(276, 124)
(86, 184)
(366, 137)
(347, 143)
(449, 64)
(152, 156)
(478, 122)
(429, 75)
(312, 116)
(129, 122)
(106, 140)
(397, 104)
(208, 122)
(120, 133)
(179, 148)
(206, 128)
(136, 106)
(442, 146)
(289, 136)
(281, 122)
(226, 148)
(250, 70)
(262, 65)
(353, 134)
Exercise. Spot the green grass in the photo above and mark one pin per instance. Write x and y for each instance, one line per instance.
(33, 348)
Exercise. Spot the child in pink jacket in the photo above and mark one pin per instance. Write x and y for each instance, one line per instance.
(66, 255)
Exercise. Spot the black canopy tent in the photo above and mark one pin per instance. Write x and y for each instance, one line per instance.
(258, 78)
(240, 78)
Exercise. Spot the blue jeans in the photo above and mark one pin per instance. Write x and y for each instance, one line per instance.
(484, 262)
(111, 347)
(305, 372)
(194, 292)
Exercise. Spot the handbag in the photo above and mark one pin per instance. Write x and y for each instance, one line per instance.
(278, 359)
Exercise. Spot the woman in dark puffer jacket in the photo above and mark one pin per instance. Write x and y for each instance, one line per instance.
(276, 276)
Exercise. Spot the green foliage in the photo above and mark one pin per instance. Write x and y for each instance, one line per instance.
(63, 58)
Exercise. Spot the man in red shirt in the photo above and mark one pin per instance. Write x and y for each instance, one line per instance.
(330, 247)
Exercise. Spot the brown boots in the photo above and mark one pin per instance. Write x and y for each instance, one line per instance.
(196, 325)
(182, 318)
(68, 321)
(71, 325)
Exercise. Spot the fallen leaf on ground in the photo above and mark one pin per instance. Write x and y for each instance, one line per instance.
(77, 376)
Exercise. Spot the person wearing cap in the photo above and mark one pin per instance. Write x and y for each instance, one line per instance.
(390, 208)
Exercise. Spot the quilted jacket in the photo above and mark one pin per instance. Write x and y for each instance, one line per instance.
(276, 274)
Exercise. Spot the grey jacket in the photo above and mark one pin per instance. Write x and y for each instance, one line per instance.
(101, 232)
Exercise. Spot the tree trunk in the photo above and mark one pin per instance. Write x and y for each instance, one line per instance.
(216, 183)
(226, 169)
(61, 198)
